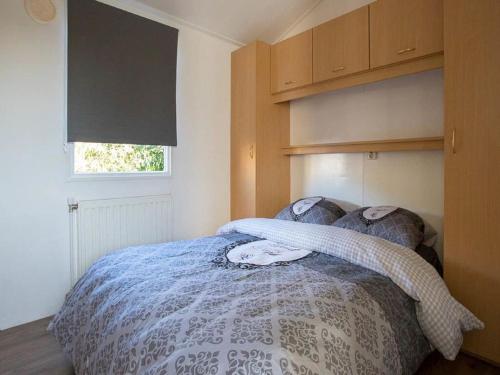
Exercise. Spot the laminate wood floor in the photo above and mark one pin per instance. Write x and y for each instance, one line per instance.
(30, 350)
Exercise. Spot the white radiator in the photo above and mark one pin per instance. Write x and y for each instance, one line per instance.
(101, 226)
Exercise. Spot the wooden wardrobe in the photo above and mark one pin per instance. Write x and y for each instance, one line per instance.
(260, 173)
(389, 38)
(472, 165)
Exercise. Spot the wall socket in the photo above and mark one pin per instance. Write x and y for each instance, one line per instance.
(372, 155)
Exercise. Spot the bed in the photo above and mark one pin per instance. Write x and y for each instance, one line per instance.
(357, 304)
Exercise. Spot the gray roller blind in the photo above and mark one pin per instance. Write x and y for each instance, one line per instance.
(121, 77)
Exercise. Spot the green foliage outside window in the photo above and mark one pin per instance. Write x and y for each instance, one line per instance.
(118, 158)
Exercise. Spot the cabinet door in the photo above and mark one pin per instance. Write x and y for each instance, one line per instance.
(291, 62)
(341, 46)
(404, 29)
(243, 131)
(472, 165)
(273, 133)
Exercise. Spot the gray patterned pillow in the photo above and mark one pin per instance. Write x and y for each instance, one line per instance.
(400, 226)
(314, 210)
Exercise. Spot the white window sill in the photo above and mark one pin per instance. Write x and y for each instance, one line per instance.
(85, 177)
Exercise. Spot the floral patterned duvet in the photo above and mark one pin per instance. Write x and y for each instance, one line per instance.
(179, 308)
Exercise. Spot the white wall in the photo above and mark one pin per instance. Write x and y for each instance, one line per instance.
(404, 107)
(34, 223)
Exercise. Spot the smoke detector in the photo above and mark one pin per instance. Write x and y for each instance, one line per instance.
(42, 11)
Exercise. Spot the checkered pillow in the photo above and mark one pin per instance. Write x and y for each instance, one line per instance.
(400, 226)
(323, 212)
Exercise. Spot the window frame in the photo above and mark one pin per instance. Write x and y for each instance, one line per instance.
(106, 176)
(69, 147)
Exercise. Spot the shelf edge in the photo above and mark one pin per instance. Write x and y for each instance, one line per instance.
(388, 145)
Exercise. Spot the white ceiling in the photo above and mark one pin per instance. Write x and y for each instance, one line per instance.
(240, 20)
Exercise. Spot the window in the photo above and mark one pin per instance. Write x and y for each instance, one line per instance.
(122, 79)
(121, 92)
(109, 159)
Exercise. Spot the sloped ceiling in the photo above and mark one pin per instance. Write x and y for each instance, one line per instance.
(240, 20)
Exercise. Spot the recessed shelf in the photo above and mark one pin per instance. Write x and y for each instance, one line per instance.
(388, 145)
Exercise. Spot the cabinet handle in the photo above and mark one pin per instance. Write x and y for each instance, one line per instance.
(250, 153)
(290, 82)
(338, 69)
(406, 50)
(453, 150)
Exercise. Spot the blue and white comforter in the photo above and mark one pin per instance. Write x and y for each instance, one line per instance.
(179, 308)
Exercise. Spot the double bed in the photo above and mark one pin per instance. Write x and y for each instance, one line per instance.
(356, 304)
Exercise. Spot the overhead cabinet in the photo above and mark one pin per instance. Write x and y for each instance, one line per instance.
(341, 46)
(291, 62)
(404, 29)
(385, 39)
